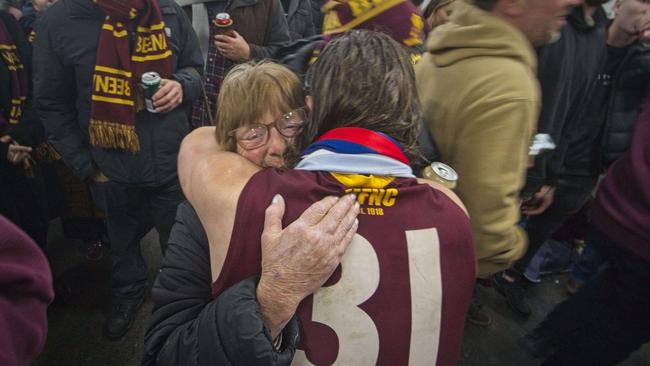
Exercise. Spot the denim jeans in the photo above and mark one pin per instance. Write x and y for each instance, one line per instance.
(552, 257)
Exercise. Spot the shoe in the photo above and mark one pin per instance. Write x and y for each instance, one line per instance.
(121, 318)
(572, 286)
(514, 294)
(532, 278)
(476, 315)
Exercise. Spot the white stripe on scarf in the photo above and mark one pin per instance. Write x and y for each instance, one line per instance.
(329, 161)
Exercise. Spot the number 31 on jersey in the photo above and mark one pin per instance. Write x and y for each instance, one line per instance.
(337, 306)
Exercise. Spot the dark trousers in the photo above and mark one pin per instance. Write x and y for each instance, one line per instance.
(570, 195)
(79, 215)
(588, 263)
(606, 320)
(23, 201)
(131, 211)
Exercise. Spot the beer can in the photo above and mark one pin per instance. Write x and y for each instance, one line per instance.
(150, 85)
(224, 23)
(441, 173)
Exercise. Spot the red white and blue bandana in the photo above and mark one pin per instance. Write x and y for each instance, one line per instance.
(356, 150)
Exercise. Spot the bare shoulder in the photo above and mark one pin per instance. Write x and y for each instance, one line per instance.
(212, 180)
(204, 167)
(446, 191)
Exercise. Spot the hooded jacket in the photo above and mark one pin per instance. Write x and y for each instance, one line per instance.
(480, 98)
(64, 59)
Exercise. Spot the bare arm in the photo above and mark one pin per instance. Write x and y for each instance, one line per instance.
(212, 180)
(296, 260)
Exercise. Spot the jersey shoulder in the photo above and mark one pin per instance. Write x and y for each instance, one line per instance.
(446, 191)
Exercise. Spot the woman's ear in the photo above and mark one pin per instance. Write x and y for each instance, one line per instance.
(309, 102)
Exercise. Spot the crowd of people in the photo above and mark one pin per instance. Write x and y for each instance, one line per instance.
(278, 146)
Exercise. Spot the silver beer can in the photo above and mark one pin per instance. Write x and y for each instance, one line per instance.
(441, 173)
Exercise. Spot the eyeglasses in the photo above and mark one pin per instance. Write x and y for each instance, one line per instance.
(255, 135)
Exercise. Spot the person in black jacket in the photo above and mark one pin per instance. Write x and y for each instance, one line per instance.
(605, 133)
(565, 85)
(611, 102)
(189, 327)
(132, 165)
(21, 191)
(627, 92)
(299, 18)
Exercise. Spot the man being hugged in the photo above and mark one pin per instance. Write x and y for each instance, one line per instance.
(404, 284)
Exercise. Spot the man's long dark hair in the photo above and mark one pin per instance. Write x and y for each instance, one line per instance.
(363, 79)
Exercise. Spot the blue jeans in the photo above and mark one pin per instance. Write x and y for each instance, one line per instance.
(552, 257)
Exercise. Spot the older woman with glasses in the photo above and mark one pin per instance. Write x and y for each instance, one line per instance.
(262, 108)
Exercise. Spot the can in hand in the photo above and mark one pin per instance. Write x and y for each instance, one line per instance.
(441, 173)
(150, 85)
(224, 23)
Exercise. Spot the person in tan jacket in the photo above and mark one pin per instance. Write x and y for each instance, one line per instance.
(481, 101)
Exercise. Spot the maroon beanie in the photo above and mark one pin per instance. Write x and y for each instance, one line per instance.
(400, 19)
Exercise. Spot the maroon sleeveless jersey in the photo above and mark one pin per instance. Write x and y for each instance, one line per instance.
(402, 290)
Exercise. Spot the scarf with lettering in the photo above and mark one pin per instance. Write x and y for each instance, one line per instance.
(355, 150)
(116, 94)
(400, 19)
(18, 80)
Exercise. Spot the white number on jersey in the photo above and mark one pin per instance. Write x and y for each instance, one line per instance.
(337, 306)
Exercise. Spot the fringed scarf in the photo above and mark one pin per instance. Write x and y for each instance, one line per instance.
(116, 94)
(356, 150)
(18, 80)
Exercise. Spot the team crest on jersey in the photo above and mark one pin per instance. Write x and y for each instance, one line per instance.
(371, 192)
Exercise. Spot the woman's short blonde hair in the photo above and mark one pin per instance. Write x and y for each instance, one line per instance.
(249, 91)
